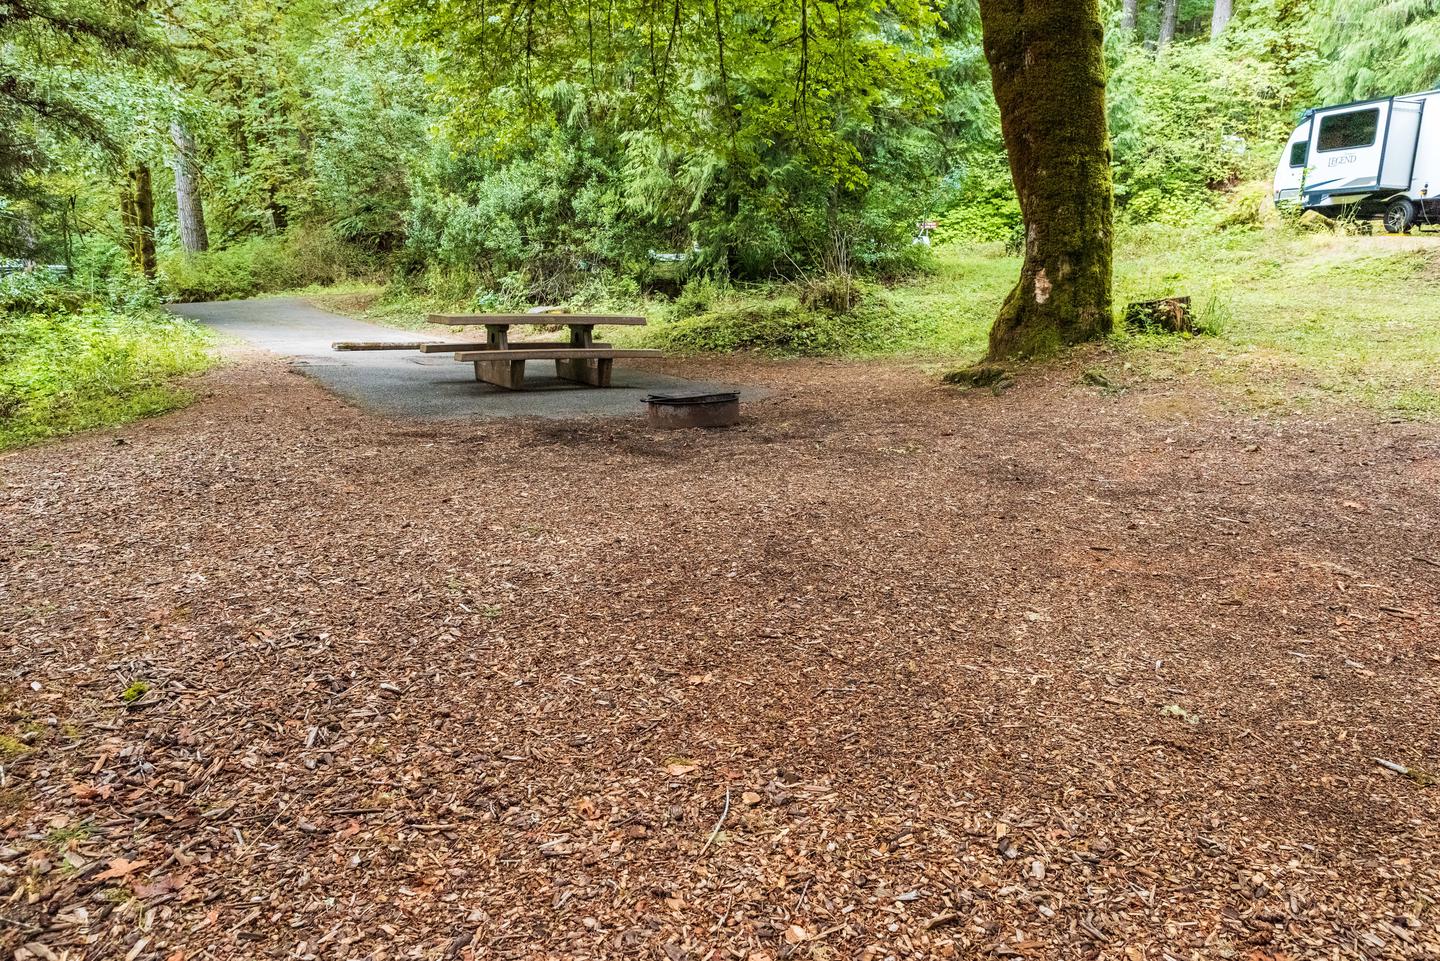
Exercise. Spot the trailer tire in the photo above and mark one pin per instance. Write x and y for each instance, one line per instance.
(1400, 216)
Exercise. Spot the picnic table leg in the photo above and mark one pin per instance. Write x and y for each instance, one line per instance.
(596, 372)
(509, 374)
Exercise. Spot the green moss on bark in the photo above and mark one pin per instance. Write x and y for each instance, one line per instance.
(1048, 72)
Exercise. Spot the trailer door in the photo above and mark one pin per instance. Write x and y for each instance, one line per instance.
(1397, 164)
(1348, 148)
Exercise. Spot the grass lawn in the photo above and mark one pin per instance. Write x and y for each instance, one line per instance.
(1302, 318)
(1289, 318)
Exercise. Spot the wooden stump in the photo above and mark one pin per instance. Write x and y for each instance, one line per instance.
(1171, 313)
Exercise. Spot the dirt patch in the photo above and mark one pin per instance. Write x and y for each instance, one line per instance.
(1430, 273)
(891, 670)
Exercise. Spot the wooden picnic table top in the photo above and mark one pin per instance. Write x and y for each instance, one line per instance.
(538, 320)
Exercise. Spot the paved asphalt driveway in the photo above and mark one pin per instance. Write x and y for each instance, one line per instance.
(411, 384)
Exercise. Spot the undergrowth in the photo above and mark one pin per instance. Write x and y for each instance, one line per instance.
(73, 359)
(266, 264)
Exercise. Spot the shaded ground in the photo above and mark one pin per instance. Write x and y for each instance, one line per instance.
(890, 671)
(411, 384)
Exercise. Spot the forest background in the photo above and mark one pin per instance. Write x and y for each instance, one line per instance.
(769, 174)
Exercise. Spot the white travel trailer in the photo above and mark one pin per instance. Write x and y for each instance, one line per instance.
(1375, 158)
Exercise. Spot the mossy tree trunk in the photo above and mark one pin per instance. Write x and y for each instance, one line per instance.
(1048, 72)
(137, 220)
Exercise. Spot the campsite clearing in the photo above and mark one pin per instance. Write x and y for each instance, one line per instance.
(888, 669)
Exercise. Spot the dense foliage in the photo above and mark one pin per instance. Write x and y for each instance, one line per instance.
(1204, 116)
(63, 101)
(553, 150)
(749, 137)
(1381, 47)
(72, 358)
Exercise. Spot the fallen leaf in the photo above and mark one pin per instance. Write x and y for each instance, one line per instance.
(165, 884)
(120, 868)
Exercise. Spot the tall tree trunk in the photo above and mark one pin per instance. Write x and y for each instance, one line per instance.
(1131, 16)
(145, 207)
(189, 207)
(1169, 13)
(1220, 17)
(129, 220)
(1047, 67)
(137, 220)
(276, 213)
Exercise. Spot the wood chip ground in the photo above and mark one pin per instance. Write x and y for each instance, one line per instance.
(890, 671)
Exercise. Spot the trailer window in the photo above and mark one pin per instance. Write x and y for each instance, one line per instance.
(1299, 152)
(1346, 131)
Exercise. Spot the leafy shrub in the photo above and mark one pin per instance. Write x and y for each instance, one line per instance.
(1235, 101)
(697, 297)
(985, 210)
(30, 292)
(1015, 241)
(98, 260)
(39, 292)
(835, 293)
(300, 258)
(1245, 206)
(71, 360)
(534, 230)
(780, 326)
(776, 329)
(214, 275)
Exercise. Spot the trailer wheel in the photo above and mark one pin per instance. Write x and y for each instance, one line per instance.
(1400, 216)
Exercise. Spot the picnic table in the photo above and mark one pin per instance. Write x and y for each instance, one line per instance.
(580, 359)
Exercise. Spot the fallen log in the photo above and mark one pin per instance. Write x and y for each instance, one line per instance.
(381, 344)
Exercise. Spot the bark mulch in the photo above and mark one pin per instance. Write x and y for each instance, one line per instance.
(890, 671)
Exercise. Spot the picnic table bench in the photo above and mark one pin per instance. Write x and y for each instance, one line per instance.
(581, 359)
